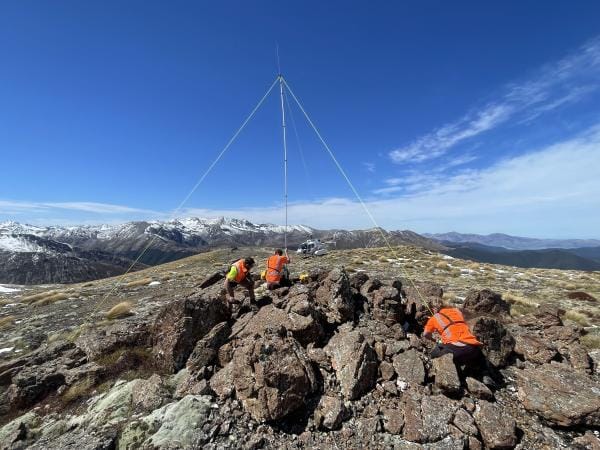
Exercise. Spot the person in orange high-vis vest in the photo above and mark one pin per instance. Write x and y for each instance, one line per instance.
(275, 268)
(239, 273)
(455, 334)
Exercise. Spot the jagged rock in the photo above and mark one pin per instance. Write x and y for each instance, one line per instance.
(150, 394)
(562, 336)
(212, 279)
(191, 384)
(497, 428)
(370, 286)
(32, 383)
(206, 348)
(427, 418)
(478, 389)
(543, 317)
(534, 349)
(465, 422)
(387, 370)
(305, 329)
(387, 305)
(131, 332)
(446, 376)
(79, 439)
(179, 326)
(416, 295)
(111, 408)
(560, 395)
(354, 362)
(335, 295)
(498, 342)
(330, 413)
(409, 367)
(176, 425)
(485, 302)
(16, 430)
(589, 441)
(222, 382)
(393, 417)
(272, 376)
(578, 357)
(357, 280)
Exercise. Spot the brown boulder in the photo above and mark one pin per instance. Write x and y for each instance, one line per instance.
(335, 296)
(498, 343)
(409, 367)
(545, 316)
(417, 295)
(272, 376)
(427, 418)
(534, 349)
(330, 413)
(478, 389)
(131, 332)
(497, 428)
(354, 361)
(206, 349)
(179, 326)
(486, 302)
(446, 376)
(560, 395)
(387, 305)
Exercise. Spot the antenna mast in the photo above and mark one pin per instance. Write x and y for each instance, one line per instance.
(285, 181)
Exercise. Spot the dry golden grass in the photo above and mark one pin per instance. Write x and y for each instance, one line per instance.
(51, 299)
(442, 265)
(473, 266)
(136, 283)
(120, 310)
(6, 322)
(591, 341)
(577, 317)
(78, 390)
(36, 297)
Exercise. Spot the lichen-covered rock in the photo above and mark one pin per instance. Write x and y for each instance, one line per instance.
(543, 317)
(486, 302)
(417, 294)
(387, 305)
(354, 361)
(409, 367)
(427, 418)
(446, 376)
(497, 428)
(150, 394)
(534, 349)
(560, 395)
(478, 389)
(174, 426)
(498, 343)
(272, 376)
(98, 341)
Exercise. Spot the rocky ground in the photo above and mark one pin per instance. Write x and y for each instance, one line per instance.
(335, 362)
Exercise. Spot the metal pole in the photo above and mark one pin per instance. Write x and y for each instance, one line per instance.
(285, 182)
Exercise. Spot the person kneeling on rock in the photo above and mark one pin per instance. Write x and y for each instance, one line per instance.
(456, 337)
(277, 273)
(239, 273)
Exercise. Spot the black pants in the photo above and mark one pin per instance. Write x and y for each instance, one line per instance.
(461, 354)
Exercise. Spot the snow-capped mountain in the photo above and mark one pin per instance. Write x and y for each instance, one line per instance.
(33, 254)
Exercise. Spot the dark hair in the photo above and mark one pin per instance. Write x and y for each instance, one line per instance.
(279, 252)
(249, 261)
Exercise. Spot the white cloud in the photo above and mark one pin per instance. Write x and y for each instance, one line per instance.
(555, 85)
(369, 167)
(12, 207)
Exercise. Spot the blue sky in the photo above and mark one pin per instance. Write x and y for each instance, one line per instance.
(446, 116)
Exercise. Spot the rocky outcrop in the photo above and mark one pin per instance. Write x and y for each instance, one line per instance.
(486, 302)
(272, 376)
(446, 376)
(335, 295)
(354, 362)
(497, 429)
(180, 325)
(560, 395)
(498, 343)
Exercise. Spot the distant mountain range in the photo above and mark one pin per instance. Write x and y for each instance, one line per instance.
(513, 242)
(577, 254)
(34, 255)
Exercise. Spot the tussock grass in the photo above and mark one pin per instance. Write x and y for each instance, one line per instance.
(519, 305)
(36, 297)
(591, 341)
(51, 299)
(577, 317)
(6, 322)
(78, 390)
(120, 310)
(473, 266)
(442, 265)
(141, 282)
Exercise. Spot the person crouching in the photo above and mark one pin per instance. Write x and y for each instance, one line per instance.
(276, 269)
(239, 273)
(455, 334)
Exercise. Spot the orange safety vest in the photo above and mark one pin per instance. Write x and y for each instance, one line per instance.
(274, 267)
(241, 271)
(451, 326)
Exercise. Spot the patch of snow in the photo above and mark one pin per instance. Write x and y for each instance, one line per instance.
(6, 290)
(17, 244)
(154, 283)
(447, 257)
(6, 349)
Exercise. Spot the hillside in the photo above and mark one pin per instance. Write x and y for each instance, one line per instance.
(337, 362)
(513, 242)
